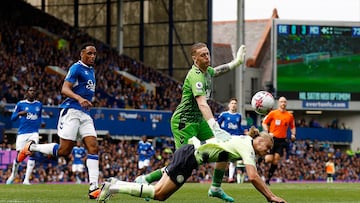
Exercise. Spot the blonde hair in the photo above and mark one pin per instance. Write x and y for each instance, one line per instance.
(254, 133)
(267, 136)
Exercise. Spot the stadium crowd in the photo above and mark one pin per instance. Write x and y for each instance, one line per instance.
(29, 45)
(305, 161)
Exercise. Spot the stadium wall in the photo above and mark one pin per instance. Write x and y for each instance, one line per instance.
(123, 122)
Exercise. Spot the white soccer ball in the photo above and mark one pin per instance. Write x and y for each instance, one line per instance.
(262, 102)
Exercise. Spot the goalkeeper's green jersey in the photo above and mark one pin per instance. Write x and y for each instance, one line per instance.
(238, 147)
(195, 84)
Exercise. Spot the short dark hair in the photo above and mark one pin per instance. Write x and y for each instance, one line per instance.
(233, 98)
(86, 44)
(27, 89)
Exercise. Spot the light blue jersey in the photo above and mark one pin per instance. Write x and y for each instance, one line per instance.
(231, 123)
(145, 150)
(83, 79)
(78, 153)
(32, 121)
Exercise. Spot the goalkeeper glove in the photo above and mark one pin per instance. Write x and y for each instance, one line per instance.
(240, 57)
(220, 134)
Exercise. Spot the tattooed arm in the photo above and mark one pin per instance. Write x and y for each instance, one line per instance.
(240, 58)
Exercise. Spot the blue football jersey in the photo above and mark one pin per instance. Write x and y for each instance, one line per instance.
(30, 122)
(78, 153)
(145, 150)
(83, 79)
(231, 123)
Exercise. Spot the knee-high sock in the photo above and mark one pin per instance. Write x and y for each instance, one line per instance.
(154, 176)
(231, 170)
(92, 163)
(271, 171)
(134, 189)
(51, 148)
(217, 178)
(29, 168)
(15, 168)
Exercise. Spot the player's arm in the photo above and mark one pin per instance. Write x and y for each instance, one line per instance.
(265, 126)
(15, 115)
(220, 118)
(293, 130)
(259, 184)
(239, 59)
(67, 91)
(204, 107)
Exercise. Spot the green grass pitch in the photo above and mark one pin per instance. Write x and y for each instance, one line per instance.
(341, 74)
(189, 193)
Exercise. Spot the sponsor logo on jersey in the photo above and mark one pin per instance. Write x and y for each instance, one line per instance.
(199, 86)
(90, 85)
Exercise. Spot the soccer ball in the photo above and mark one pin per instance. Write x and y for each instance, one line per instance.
(262, 102)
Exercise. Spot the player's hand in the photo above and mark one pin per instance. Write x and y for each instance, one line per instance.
(240, 54)
(240, 57)
(293, 138)
(86, 104)
(276, 199)
(194, 141)
(221, 135)
(22, 113)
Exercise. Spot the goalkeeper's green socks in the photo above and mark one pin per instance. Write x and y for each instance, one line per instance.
(153, 176)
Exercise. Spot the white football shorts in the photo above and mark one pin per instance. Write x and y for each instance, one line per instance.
(22, 139)
(145, 163)
(75, 124)
(78, 168)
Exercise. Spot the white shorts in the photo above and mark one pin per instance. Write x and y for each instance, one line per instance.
(77, 168)
(22, 139)
(144, 163)
(75, 125)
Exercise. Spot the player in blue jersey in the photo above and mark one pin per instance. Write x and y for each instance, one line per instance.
(78, 154)
(28, 111)
(230, 121)
(75, 121)
(145, 151)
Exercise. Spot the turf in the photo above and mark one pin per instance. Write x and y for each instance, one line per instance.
(190, 192)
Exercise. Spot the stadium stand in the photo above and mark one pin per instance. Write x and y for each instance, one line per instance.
(31, 45)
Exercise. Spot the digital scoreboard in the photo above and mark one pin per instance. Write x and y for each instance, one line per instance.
(316, 61)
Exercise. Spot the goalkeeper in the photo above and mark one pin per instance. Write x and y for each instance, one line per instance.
(193, 116)
(189, 157)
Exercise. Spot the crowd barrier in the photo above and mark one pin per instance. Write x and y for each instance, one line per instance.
(124, 122)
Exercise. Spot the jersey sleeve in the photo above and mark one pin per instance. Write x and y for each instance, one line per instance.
(268, 118)
(211, 71)
(220, 118)
(14, 115)
(72, 74)
(197, 83)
